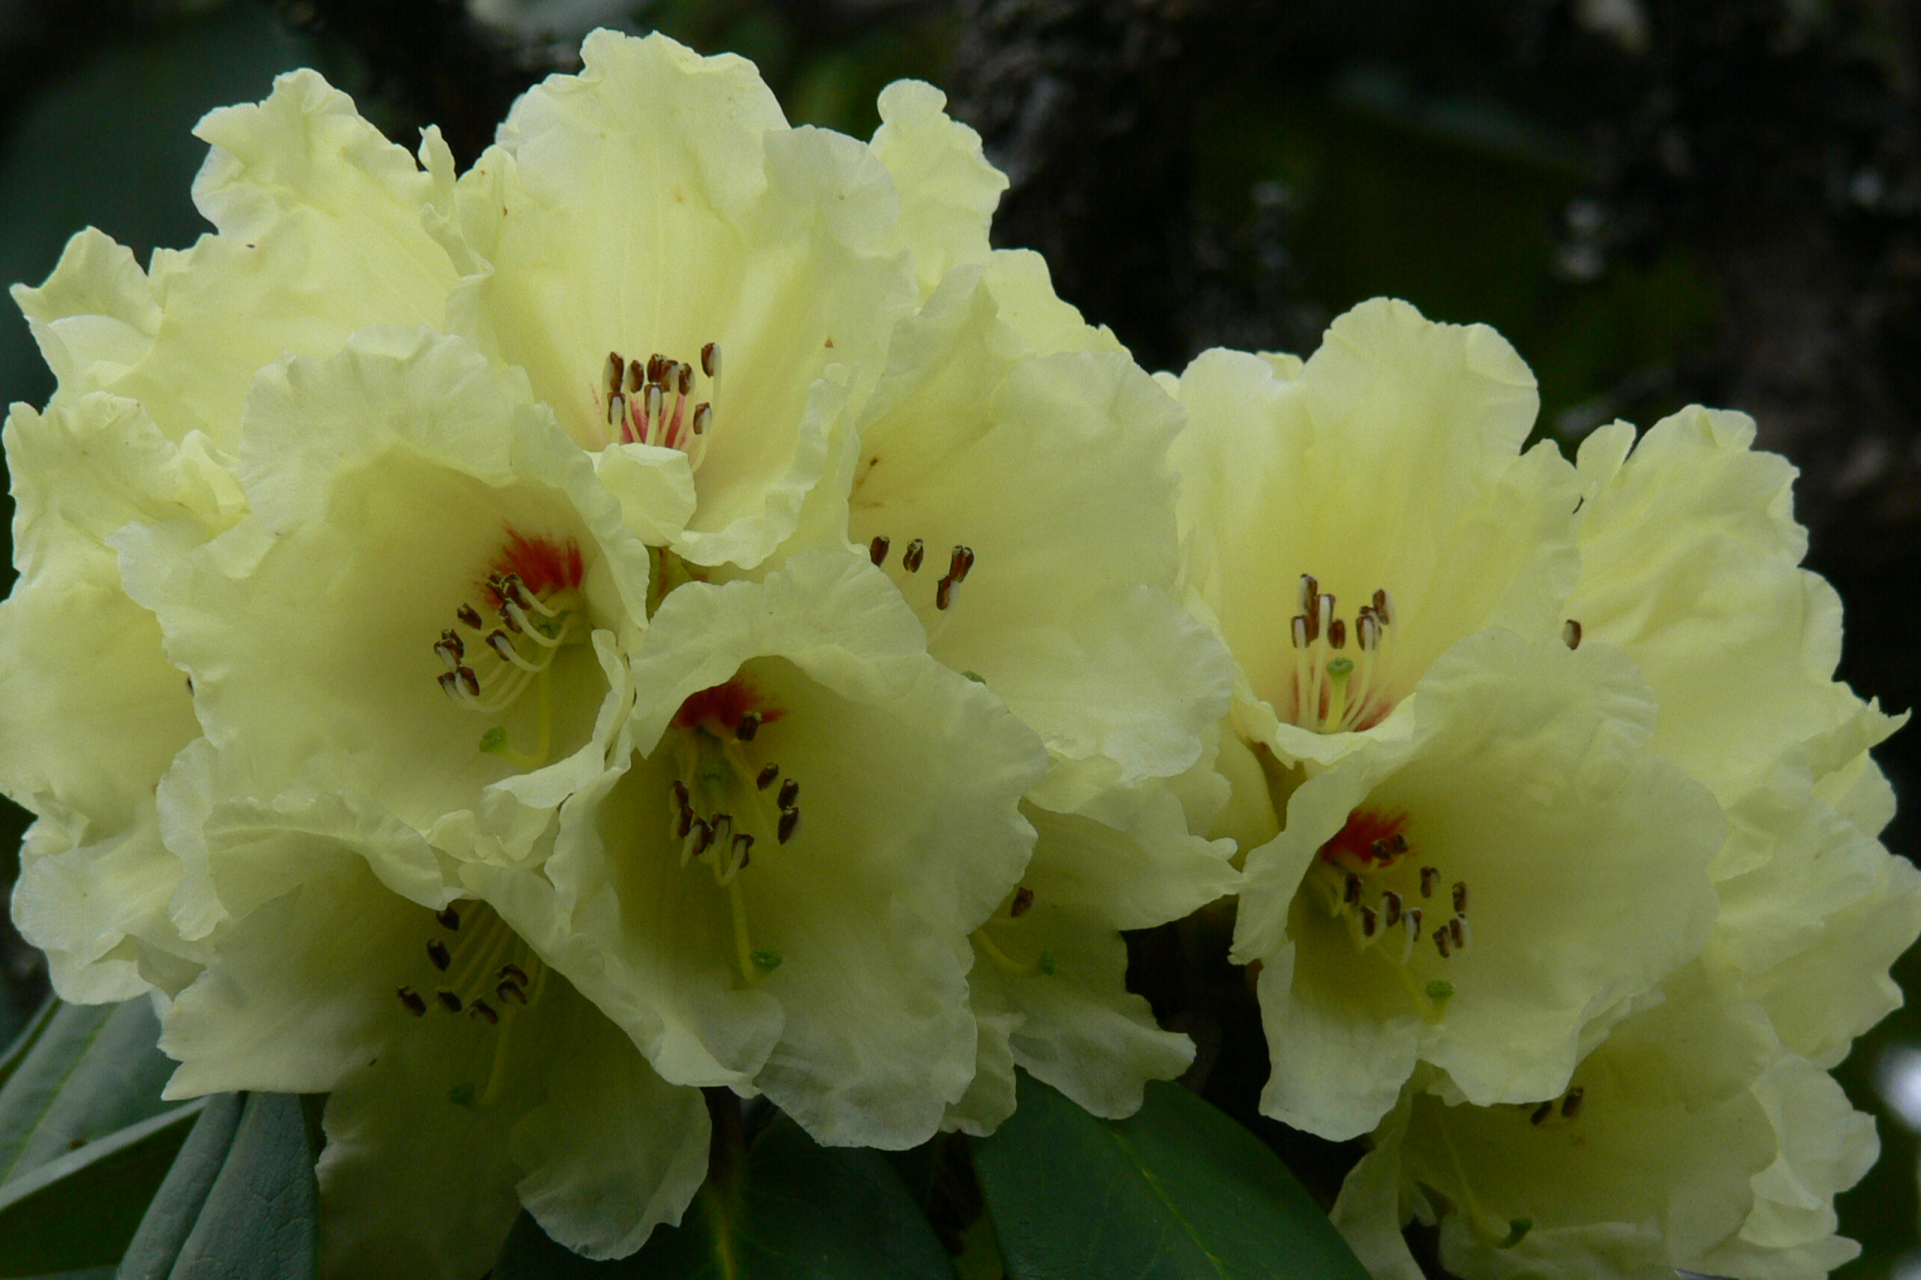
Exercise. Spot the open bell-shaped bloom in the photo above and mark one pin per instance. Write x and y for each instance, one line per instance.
(91, 713)
(466, 1078)
(677, 270)
(1348, 518)
(319, 232)
(1059, 594)
(773, 883)
(420, 609)
(1487, 893)
(1690, 563)
(1689, 1139)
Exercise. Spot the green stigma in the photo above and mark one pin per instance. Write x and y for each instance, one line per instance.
(1439, 989)
(1516, 1232)
(494, 741)
(766, 961)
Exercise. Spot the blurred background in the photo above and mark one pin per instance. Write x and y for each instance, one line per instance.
(1656, 202)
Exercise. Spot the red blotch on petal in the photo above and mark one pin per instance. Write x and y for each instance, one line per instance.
(543, 566)
(1355, 840)
(724, 705)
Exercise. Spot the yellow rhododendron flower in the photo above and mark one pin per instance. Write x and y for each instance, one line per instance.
(1690, 1139)
(1480, 863)
(319, 233)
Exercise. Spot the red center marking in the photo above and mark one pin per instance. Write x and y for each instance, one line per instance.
(542, 565)
(725, 705)
(1357, 835)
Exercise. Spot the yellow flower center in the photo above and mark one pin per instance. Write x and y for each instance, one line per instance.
(729, 797)
(1335, 688)
(1371, 877)
(653, 404)
(507, 636)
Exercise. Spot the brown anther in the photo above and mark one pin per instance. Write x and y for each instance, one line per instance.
(449, 919)
(1023, 902)
(702, 835)
(944, 593)
(710, 359)
(614, 366)
(1367, 631)
(877, 549)
(784, 830)
(685, 380)
(703, 418)
(1351, 890)
(1571, 634)
(684, 822)
(411, 998)
(1310, 594)
(657, 368)
(1368, 922)
(1457, 933)
(449, 683)
(1430, 876)
(484, 1011)
(1397, 844)
(1382, 850)
(636, 377)
(910, 559)
(507, 620)
(680, 793)
(789, 792)
(1460, 896)
(1443, 942)
(448, 1000)
(468, 680)
(1391, 907)
(1337, 634)
(1541, 1113)
(765, 778)
(506, 991)
(1384, 608)
(500, 644)
(1412, 922)
(451, 649)
(960, 563)
(437, 952)
(743, 851)
(514, 973)
(469, 615)
(749, 726)
(1571, 1105)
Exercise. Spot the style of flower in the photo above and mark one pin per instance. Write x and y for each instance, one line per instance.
(1689, 1139)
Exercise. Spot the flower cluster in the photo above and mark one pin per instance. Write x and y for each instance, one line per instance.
(510, 649)
(670, 608)
(1562, 878)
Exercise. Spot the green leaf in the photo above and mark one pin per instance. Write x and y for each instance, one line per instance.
(789, 1210)
(88, 1071)
(81, 1208)
(1178, 1190)
(239, 1202)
